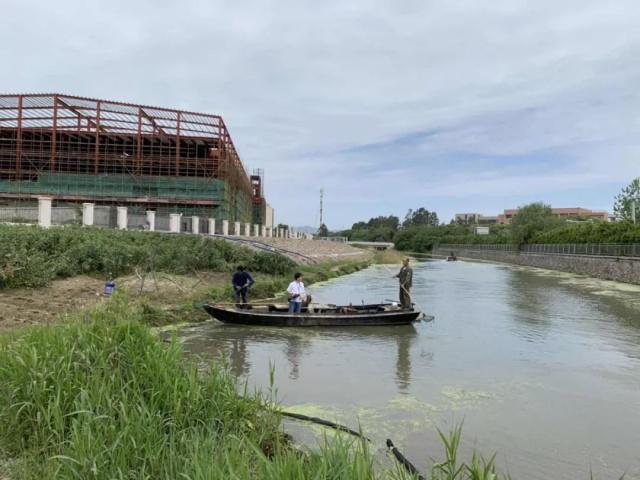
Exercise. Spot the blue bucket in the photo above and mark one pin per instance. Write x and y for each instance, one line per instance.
(109, 287)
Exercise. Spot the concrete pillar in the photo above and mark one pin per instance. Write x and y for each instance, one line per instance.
(44, 211)
(236, 228)
(212, 226)
(195, 224)
(151, 220)
(122, 218)
(263, 231)
(280, 232)
(247, 229)
(174, 222)
(269, 232)
(225, 227)
(87, 214)
(256, 230)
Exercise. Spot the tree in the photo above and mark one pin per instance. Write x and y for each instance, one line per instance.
(420, 217)
(531, 219)
(624, 201)
(323, 231)
(391, 222)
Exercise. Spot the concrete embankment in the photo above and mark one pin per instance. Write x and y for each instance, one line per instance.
(311, 251)
(620, 269)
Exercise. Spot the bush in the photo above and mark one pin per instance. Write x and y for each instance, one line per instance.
(32, 257)
(591, 232)
(423, 239)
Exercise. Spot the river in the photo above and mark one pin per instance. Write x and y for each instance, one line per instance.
(542, 367)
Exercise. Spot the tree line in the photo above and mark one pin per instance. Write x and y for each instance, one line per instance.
(420, 230)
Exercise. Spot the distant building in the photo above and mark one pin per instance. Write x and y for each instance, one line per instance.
(508, 214)
(269, 220)
(475, 219)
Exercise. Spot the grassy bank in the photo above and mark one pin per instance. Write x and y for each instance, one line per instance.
(100, 397)
(48, 272)
(187, 306)
(32, 257)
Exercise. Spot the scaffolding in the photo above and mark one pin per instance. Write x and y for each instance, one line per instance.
(258, 201)
(77, 149)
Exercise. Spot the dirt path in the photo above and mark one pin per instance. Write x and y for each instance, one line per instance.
(22, 307)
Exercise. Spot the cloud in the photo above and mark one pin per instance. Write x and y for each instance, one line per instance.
(387, 105)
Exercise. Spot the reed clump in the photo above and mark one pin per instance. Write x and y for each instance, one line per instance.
(32, 257)
(101, 397)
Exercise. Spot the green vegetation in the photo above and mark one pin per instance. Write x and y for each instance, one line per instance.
(384, 229)
(627, 200)
(188, 308)
(101, 397)
(531, 220)
(32, 257)
(590, 232)
(378, 229)
(323, 231)
(423, 239)
(534, 223)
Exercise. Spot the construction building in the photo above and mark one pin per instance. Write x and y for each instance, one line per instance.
(76, 149)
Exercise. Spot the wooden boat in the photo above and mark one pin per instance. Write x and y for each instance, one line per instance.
(315, 315)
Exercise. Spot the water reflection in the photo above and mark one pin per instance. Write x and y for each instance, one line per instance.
(543, 368)
(238, 359)
(236, 344)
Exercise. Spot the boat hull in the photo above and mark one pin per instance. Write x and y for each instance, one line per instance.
(280, 319)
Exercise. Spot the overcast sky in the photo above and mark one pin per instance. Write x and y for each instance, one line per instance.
(456, 106)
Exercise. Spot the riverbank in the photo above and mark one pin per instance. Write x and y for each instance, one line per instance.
(45, 273)
(165, 298)
(100, 396)
(616, 268)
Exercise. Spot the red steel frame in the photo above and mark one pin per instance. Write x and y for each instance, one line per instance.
(55, 133)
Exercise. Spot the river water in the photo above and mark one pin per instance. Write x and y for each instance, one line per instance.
(542, 367)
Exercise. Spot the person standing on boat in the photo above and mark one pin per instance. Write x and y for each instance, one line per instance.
(241, 282)
(296, 294)
(405, 276)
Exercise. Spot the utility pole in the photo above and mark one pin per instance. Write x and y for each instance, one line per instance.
(633, 211)
(321, 196)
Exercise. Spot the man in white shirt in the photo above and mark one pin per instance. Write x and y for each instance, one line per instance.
(296, 294)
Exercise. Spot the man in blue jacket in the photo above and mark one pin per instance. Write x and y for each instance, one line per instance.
(242, 282)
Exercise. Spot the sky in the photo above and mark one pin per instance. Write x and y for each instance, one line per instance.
(451, 105)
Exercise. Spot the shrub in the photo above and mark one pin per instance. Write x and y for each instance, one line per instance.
(31, 256)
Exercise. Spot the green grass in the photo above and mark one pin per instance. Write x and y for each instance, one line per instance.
(32, 257)
(100, 397)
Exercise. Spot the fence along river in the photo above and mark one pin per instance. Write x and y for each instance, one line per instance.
(542, 367)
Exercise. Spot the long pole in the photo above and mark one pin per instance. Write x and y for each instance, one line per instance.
(321, 198)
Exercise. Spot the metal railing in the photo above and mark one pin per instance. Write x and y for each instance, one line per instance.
(334, 239)
(593, 249)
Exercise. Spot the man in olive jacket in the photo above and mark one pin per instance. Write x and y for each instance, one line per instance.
(405, 276)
